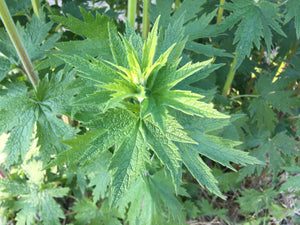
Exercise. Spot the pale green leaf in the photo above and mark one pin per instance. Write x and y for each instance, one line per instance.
(168, 80)
(149, 47)
(188, 103)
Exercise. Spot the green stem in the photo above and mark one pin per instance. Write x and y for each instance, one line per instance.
(220, 12)
(131, 12)
(14, 36)
(146, 21)
(229, 78)
(138, 15)
(36, 7)
(177, 3)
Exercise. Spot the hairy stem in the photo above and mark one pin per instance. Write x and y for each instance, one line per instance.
(146, 21)
(36, 7)
(220, 12)
(14, 36)
(229, 78)
(131, 12)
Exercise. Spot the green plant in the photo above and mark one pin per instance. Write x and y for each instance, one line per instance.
(115, 128)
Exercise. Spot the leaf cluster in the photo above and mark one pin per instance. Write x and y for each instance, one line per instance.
(124, 129)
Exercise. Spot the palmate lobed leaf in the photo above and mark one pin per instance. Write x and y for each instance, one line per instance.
(150, 198)
(126, 163)
(140, 93)
(88, 212)
(272, 95)
(20, 112)
(256, 19)
(34, 38)
(34, 197)
(292, 8)
(275, 151)
(91, 27)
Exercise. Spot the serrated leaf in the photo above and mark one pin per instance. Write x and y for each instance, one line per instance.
(99, 176)
(111, 128)
(272, 95)
(84, 48)
(149, 198)
(291, 184)
(33, 38)
(207, 50)
(271, 151)
(15, 6)
(97, 98)
(154, 107)
(91, 27)
(188, 103)
(263, 114)
(164, 148)
(18, 112)
(160, 190)
(256, 21)
(4, 67)
(149, 48)
(33, 196)
(79, 145)
(292, 8)
(206, 208)
(126, 162)
(254, 201)
(117, 48)
(91, 70)
(222, 151)
(88, 212)
(199, 169)
(40, 202)
(169, 79)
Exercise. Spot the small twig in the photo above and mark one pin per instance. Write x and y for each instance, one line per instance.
(230, 76)
(2, 173)
(242, 96)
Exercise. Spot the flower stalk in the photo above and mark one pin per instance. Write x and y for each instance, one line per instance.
(131, 12)
(146, 20)
(220, 12)
(36, 7)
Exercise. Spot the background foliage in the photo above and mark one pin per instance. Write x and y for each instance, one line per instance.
(198, 122)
